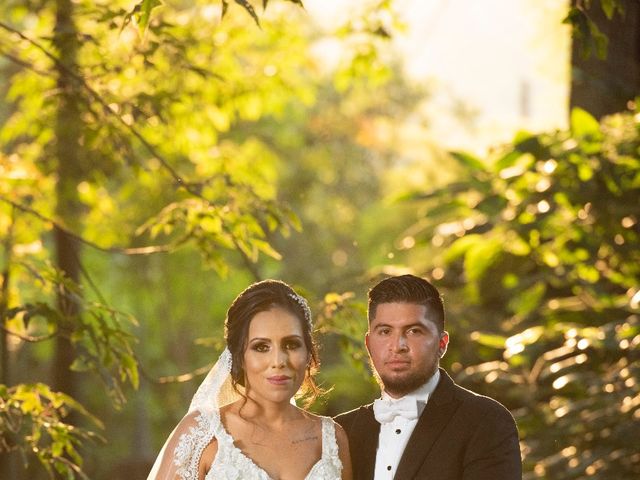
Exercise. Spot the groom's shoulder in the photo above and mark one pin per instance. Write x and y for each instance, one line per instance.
(478, 407)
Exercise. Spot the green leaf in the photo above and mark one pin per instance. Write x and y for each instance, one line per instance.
(460, 247)
(249, 8)
(480, 257)
(130, 367)
(609, 7)
(517, 246)
(266, 248)
(489, 339)
(586, 33)
(585, 172)
(146, 8)
(31, 403)
(79, 365)
(142, 14)
(469, 161)
(600, 41)
(508, 160)
(583, 124)
(528, 300)
(527, 337)
(527, 143)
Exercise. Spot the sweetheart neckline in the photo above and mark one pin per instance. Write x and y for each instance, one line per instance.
(230, 441)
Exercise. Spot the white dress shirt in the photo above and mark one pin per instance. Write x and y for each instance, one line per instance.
(394, 435)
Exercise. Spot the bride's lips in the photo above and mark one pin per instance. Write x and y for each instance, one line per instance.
(278, 379)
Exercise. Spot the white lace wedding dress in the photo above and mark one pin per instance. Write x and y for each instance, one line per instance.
(197, 430)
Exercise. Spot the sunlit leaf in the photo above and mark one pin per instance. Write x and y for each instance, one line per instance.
(461, 246)
(469, 161)
(528, 300)
(489, 339)
(480, 257)
(584, 124)
(146, 7)
(609, 7)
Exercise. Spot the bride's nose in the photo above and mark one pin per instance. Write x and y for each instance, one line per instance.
(279, 358)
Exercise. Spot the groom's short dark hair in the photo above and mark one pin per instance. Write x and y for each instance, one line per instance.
(408, 289)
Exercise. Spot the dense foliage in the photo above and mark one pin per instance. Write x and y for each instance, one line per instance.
(541, 245)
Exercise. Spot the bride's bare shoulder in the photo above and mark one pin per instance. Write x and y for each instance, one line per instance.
(207, 458)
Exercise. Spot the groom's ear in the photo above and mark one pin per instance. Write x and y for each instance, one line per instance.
(443, 343)
(366, 340)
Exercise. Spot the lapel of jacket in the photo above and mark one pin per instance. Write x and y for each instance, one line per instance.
(365, 431)
(440, 407)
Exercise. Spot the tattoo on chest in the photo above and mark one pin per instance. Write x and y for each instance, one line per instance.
(304, 439)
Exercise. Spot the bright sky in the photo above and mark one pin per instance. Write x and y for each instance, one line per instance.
(505, 61)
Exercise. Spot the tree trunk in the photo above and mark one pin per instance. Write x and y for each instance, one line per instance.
(8, 461)
(68, 130)
(5, 370)
(604, 86)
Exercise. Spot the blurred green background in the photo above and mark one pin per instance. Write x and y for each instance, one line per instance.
(156, 158)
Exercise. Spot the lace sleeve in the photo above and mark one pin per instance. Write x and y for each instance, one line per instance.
(180, 456)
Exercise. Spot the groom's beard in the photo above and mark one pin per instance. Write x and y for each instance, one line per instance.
(401, 385)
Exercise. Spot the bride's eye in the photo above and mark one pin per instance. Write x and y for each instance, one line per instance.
(293, 345)
(260, 347)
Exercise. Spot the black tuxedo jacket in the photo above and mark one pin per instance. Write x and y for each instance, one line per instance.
(460, 436)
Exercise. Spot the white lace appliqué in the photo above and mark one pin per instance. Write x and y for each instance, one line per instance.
(329, 467)
(190, 447)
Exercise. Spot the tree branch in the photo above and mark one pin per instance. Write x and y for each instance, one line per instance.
(120, 250)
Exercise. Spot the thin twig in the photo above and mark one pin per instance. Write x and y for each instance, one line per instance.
(184, 377)
(24, 64)
(29, 338)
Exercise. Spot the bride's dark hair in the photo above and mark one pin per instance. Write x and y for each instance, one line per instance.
(260, 297)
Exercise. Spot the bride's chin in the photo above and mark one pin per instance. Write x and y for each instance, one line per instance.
(284, 398)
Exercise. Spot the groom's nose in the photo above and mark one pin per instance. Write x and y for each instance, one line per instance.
(399, 343)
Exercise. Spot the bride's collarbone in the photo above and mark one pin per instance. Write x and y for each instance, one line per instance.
(291, 435)
(297, 429)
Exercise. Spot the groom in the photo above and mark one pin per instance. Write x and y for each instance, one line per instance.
(425, 426)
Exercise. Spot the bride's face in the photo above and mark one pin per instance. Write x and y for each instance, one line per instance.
(276, 358)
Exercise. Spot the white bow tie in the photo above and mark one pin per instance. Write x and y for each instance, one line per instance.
(386, 410)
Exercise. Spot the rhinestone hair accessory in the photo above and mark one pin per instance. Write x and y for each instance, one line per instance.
(305, 306)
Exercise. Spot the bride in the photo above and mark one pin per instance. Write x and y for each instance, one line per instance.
(242, 423)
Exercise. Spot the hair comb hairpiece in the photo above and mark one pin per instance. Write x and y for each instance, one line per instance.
(305, 306)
